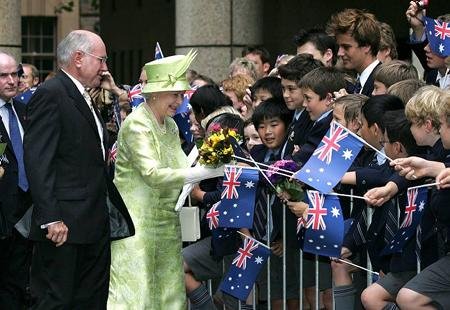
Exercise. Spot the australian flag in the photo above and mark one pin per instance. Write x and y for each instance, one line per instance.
(324, 225)
(158, 51)
(135, 96)
(331, 159)
(246, 266)
(438, 35)
(238, 197)
(181, 116)
(26, 95)
(417, 199)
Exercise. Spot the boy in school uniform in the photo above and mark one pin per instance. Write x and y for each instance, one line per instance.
(291, 74)
(430, 289)
(318, 87)
(271, 119)
(265, 88)
(398, 142)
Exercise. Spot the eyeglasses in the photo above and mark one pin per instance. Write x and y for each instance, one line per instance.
(102, 59)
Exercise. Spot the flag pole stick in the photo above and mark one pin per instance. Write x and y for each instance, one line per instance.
(264, 175)
(354, 265)
(261, 164)
(424, 185)
(366, 143)
(347, 195)
(267, 170)
(260, 243)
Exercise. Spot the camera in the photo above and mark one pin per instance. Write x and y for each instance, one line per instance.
(422, 4)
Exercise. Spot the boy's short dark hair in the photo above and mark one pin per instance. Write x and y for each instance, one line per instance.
(398, 130)
(395, 71)
(319, 38)
(323, 81)
(271, 84)
(298, 66)
(376, 107)
(271, 108)
(207, 99)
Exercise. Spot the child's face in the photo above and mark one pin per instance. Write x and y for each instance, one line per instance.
(444, 132)
(379, 88)
(196, 130)
(419, 133)
(292, 94)
(371, 134)
(251, 137)
(314, 105)
(390, 149)
(338, 114)
(260, 96)
(272, 132)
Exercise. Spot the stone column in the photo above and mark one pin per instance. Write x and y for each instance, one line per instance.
(218, 29)
(10, 28)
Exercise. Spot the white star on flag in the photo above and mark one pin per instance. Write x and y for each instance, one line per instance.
(441, 48)
(249, 184)
(421, 206)
(259, 260)
(347, 154)
(335, 212)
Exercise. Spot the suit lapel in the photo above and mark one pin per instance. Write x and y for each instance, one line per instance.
(78, 100)
(368, 86)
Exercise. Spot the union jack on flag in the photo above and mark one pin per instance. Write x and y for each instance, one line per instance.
(237, 205)
(244, 270)
(135, 96)
(330, 143)
(325, 226)
(416, 202)
(113, 152)
(245, 252)
(410, 207)
(231, 182)
(213, 216)
(438, 35)
(336, 152)
(316, 211)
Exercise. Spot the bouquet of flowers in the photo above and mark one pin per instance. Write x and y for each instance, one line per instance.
(282, 182)
(216, 149)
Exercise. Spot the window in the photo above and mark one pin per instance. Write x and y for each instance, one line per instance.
(39, 43)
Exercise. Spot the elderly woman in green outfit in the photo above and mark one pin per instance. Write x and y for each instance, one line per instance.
(151, 169)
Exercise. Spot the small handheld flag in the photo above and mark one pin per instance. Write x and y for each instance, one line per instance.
(238, 197)
(158, 51)
(438, 35)
(325, 225)
(332, 158)
(246, 266)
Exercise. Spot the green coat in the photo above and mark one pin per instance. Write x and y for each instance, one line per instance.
(146, 269)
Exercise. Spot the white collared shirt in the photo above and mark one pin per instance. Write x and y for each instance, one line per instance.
(82, 90)
(366, 73)
(444, 80)
(5, 117)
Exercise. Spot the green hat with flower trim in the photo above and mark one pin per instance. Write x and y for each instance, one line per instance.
(168, 74)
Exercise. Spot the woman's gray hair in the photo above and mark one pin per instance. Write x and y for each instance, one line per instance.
(74, 41)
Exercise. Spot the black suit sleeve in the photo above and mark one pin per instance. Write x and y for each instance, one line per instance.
(40, 149)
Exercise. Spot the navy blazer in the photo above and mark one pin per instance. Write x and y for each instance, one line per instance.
(368, 86)
(297, 133)
(313, 138)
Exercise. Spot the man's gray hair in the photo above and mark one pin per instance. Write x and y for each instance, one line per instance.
(74, 41)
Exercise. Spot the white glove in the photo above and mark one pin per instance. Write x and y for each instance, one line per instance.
(187, 189)
(196, 174)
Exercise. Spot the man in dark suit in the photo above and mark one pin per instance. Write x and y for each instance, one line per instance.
(358, 36)
(14, 195)
(65, 150)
